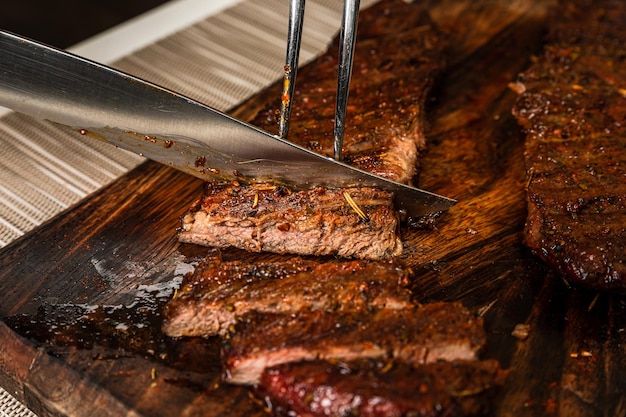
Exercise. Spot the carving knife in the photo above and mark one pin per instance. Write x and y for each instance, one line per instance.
(103, 103)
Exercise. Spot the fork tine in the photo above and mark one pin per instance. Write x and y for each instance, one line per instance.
(347, 40)
(294, 36)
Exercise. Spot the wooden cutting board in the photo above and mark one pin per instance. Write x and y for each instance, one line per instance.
(81, 296)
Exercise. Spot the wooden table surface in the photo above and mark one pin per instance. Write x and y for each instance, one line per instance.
(81, 296)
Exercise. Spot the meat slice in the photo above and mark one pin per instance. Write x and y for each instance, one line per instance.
(352, 223)
(371, 388)
(438, 331)
(572, 105)
(398, 54)
(211, 298)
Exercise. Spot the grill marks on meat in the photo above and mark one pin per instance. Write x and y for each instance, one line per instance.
(262, 218)
(426, 334)
(397, 56)
(398, 53)
(572, 105)
(370, 388)
(211, 299)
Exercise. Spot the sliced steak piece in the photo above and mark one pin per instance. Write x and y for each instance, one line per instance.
(211, 298)
(371, 388)
(398, 54)
(419, 335)
(572, 105)
(352, 223)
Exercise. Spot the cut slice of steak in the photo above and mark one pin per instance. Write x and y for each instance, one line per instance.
(438, 331)
(371, 388)
(398, 54)
(572, 105)
(211, 298)
(352, 223)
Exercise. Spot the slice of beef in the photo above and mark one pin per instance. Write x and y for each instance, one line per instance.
(211, 298)
(398, 54)
(371, 388)
(572, 105)
(352, 223)
(438, 331)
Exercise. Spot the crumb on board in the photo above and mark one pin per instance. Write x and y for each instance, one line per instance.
(582, 354)
(521, 331)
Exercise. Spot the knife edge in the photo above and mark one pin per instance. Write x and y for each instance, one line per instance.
(133, 114)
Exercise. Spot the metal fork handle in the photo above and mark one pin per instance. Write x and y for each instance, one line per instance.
(347, 41)
(294, 37)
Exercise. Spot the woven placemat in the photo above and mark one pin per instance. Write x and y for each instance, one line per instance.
(10, 407)
(219, 61)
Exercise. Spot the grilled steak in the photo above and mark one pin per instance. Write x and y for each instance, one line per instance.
(438, 331)
(217, 292)
(572, 105)
(370, 388)
(398, 53)
(355, 222)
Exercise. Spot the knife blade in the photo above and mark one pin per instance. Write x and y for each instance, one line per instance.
(106, 104)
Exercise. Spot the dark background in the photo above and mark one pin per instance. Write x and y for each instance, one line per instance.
(62, 23)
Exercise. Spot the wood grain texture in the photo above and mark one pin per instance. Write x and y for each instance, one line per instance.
(81, 297)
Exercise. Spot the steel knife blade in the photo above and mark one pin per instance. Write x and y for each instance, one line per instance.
(106, 104)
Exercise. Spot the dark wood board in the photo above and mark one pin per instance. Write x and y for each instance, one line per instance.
(80, 297)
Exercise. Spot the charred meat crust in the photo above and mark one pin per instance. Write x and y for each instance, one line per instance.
(572, 105)
(371, 388)
(438, 331)
(211, 298)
